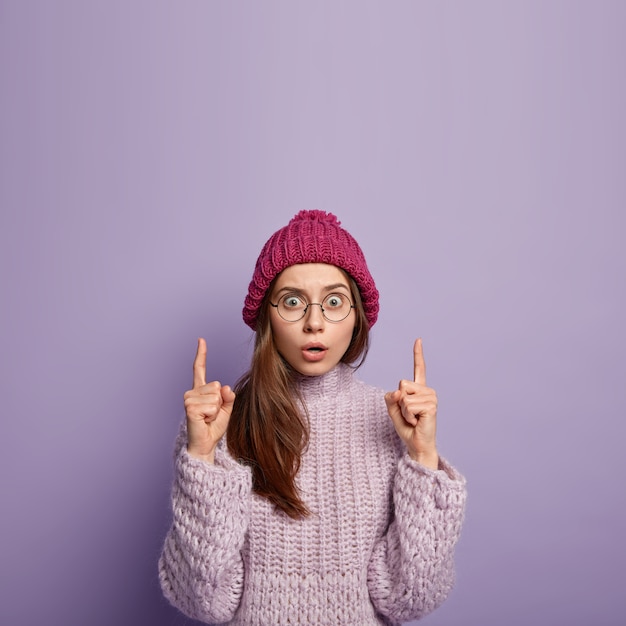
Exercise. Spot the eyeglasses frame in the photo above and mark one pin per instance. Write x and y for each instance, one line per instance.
(306, 308)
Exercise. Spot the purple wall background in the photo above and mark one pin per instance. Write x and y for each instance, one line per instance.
(476, 150)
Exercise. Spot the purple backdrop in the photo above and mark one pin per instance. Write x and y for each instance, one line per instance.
(475, 149)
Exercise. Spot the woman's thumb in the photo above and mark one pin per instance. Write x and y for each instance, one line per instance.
(228, 397)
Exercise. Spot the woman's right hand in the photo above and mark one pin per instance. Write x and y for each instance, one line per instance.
(208, 408)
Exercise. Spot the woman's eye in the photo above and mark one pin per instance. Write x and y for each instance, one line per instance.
(334, 301)
(292, 302)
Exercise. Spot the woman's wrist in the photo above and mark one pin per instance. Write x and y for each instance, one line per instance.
(427, 459)
(209, 458)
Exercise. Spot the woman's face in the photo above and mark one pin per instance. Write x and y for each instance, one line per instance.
(311, 345)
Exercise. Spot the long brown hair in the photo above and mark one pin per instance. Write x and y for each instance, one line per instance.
(267, 429)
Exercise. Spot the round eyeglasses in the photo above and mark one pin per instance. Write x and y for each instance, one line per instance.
(293, 307)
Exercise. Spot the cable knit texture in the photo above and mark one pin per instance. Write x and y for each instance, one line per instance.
(310, 237)
(377, 548)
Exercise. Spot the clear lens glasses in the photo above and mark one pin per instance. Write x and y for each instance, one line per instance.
(293, 307)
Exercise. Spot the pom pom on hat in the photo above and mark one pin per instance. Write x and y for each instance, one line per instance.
(310, 237)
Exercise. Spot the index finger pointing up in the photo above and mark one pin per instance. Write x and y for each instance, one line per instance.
(419, 366)
(199, 365)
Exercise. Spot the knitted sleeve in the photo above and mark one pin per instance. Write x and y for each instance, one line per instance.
(411, 570)
(201, 569)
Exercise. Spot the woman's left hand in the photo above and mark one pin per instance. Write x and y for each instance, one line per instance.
(413, 410)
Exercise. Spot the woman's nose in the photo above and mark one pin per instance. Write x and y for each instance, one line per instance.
(314, 316)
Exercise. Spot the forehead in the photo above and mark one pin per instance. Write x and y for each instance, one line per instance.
(310, 276)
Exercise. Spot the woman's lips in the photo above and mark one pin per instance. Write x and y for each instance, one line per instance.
(314, 352)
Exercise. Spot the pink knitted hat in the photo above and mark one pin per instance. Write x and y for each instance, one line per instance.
(310, 237)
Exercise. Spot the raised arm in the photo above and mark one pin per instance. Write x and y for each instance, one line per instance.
(201, 569)
(411, 570)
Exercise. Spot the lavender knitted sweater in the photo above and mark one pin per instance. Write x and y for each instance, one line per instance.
(376, 549)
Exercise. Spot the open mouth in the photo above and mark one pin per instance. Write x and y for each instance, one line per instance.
(314, 352)
(314, 347)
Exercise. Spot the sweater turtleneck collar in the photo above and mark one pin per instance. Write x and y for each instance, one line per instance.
(329, 383)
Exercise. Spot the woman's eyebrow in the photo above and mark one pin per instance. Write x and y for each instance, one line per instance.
(336, 286)
(325, 288)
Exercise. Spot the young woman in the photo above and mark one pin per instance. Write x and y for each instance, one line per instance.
(326, 502)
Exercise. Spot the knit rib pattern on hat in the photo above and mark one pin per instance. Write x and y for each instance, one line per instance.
(377, 548)
(310, 237)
